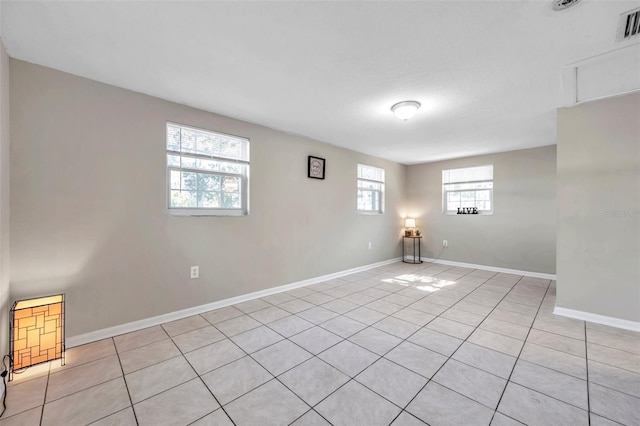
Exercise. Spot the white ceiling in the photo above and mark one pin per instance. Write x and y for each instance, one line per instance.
(486, 72)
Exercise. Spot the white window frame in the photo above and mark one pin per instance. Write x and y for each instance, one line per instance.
(468, 184)
(244, 177)
(380, 192)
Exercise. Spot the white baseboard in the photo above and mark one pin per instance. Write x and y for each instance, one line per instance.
(184, 313)
(491, 268)
(598, 319)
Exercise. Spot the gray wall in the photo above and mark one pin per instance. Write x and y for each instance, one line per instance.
(4, 199)
(522, 230)
(88, 213)
(599, 207)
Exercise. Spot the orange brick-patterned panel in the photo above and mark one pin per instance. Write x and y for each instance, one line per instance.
(37, 335)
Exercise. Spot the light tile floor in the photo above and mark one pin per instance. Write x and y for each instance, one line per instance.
(401, 344)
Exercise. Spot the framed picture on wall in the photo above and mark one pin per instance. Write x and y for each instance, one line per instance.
(316, 166)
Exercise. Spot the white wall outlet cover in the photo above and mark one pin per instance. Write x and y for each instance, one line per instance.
(195, 272)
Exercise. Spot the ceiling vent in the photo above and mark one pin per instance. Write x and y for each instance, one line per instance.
(563, 4)
(629, 25)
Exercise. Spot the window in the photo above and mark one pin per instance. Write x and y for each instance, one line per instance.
(370, 189)
(207, 172)
(468, 188)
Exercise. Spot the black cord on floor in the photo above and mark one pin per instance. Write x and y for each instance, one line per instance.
(5, 372)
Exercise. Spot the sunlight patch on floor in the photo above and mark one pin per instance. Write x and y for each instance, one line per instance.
(413, 280)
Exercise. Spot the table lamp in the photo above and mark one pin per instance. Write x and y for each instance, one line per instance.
(409, 225)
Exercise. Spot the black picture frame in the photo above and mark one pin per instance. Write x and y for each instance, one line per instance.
(316, 167)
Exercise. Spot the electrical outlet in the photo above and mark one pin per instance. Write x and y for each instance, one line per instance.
(369, 245)
(195, 272)
(445, 243)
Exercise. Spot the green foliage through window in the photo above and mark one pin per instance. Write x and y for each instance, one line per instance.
(206, 170)
(370, 189)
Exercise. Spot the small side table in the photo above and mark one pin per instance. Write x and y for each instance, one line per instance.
(415, 239)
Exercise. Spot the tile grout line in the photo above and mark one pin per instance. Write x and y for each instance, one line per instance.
(179, 334)
(353, 378)
(274, 377)
(548, 286)
(520, 353)
(551, 368)
(343, 339)
(590, 343)
(611, 347)
(619, 332)
(403, 409)
(463, 342)
(571, 354)
(182, 354)
(308, 411)
(247, 354)
(27, 381)
(609, 387)
(429, 379)
(112, 414)
(152, 365)
(124, 379)
(72, 393)
(44, 401)
(312, 408)
(382, 356)
(586, 361)
(395, 346)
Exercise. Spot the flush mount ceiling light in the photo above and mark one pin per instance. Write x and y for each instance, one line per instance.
(406, 109)
(563, 4)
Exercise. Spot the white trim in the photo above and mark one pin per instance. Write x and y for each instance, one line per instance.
(200, 129)
(569, 74)
(172, 316)
(492, 268)
(380, 191)
(599, 57)
(598, 319)
(205, 212)
(615, 95)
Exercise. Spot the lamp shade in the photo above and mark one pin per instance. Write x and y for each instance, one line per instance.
(36, 331)
(409, 223)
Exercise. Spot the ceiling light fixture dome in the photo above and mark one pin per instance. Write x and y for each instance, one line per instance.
(563, 4)
(406, 109)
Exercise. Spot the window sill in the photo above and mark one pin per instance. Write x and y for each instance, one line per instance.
(468, 214)
(206, 212)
